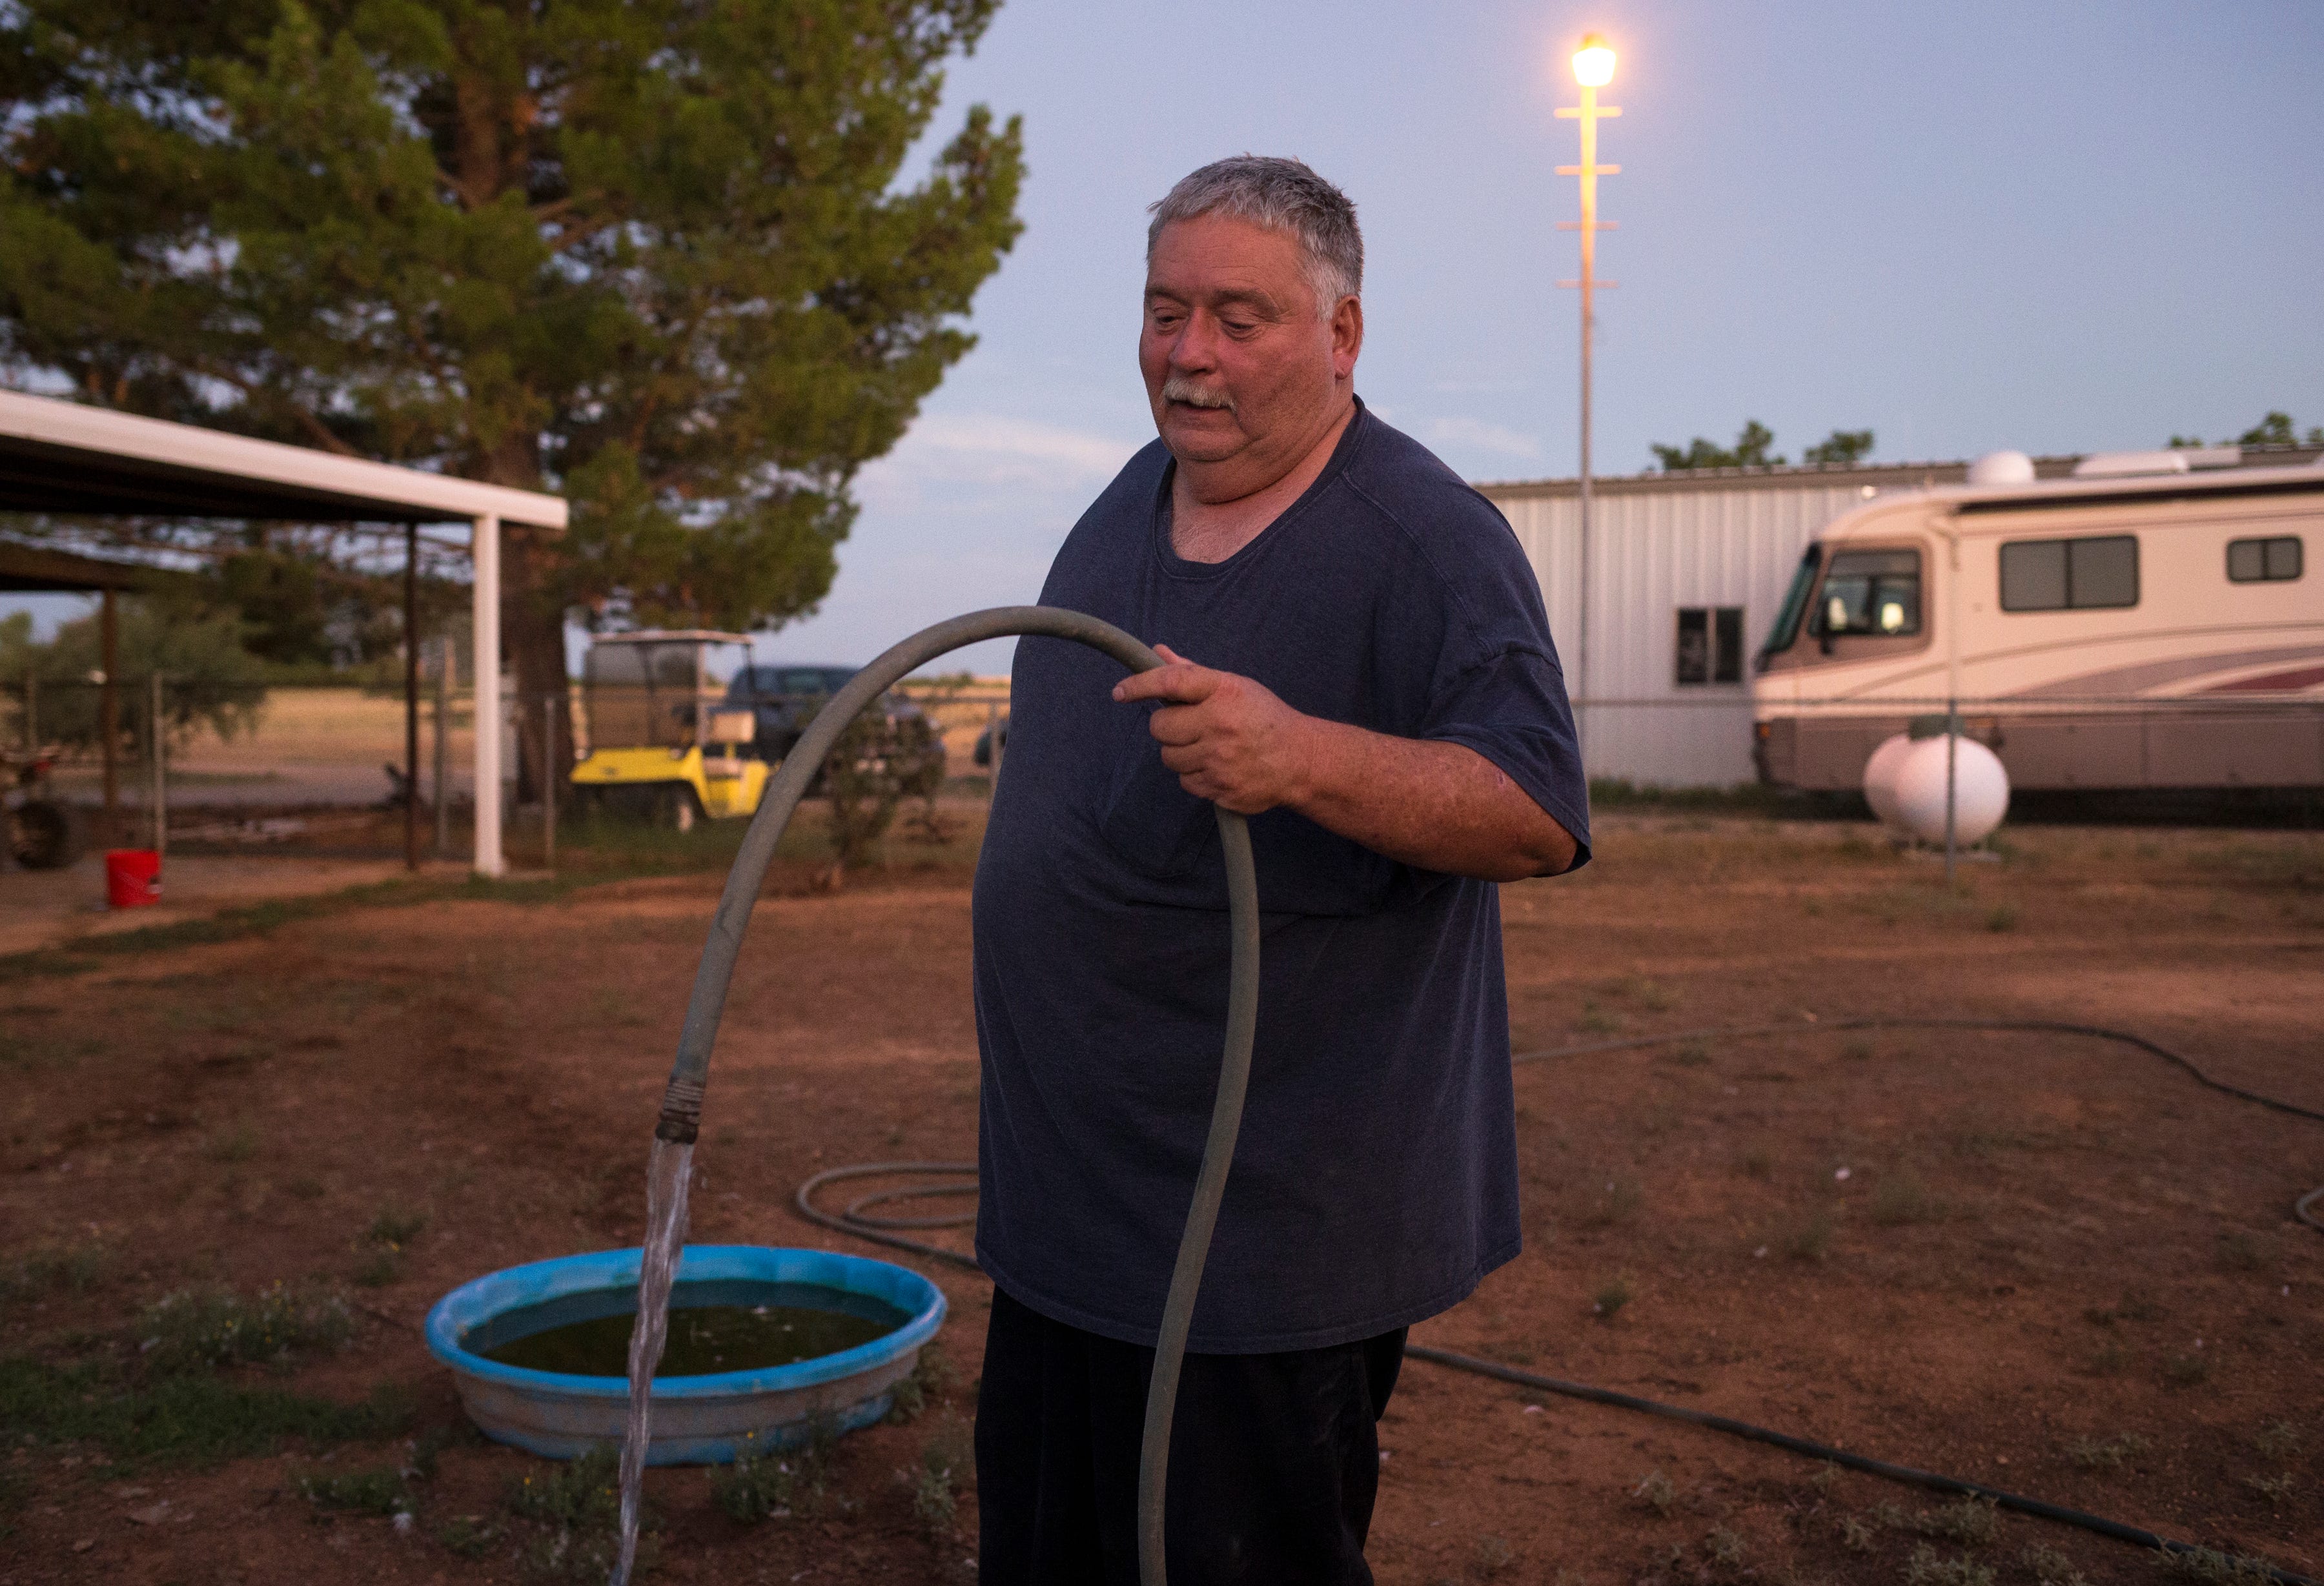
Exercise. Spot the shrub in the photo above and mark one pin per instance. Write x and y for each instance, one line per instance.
(214, 1326)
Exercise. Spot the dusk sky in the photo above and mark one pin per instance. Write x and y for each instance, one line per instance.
(2059, 227)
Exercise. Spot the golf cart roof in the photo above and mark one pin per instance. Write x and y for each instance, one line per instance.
(672, 636)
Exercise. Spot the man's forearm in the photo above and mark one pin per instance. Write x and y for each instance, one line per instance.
(1440, 806)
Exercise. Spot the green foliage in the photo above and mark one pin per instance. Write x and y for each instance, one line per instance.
(218, 1327)
(211, 680)
(193, 1417)
(879, 761)
(776, 1482)
(946, 1457)
(1749, 451)
(1611, 1296)
(655, 254)
(1842, 447)
(2213, 1567)
(379, 1490)
(1927, 1567)
(2274, 428)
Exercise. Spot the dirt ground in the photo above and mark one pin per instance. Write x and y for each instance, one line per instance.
(2047, 1263)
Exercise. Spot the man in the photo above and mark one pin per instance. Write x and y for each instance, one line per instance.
(1359, 661)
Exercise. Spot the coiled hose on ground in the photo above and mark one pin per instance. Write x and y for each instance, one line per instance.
(860, 1222)
(681, 1110)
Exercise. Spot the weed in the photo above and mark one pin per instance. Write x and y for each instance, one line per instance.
(1810, 1239)
(1857, 1051)
(214, 1326)
(1595, 1020)
(238, 1144)
(944, 1458)
(1611, 1299)
(1759, 1163)
(74, 1268)
(2050, 1567)
(1972, 1521)
(1826, 1478)
(574, 1494)
(2276, 1489)
(1650, 994)
(2095, 1454)
(2106, 1361)
(1656, 1493)
(2278, 1440)
(1927, 1567)
(2243, 1251)
(394, 1227)
(1856, 1533)
(380, 1490)
(1901, 1198)
(468, 1535)
(1494, 1556)
(2187, 1370)
(780, 1482)
(2213, 1567)
(2002, 917)
(1724, 1549)
(304, 1189)
(930, 1378)
(379, 1269)
(1691, 1054)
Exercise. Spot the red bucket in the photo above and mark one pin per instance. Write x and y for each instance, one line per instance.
(133, 877)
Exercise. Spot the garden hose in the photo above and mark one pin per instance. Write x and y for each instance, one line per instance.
(681, 1110)
(859, 1222)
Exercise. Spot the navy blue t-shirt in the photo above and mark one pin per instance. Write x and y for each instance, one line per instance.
(1374, 1182)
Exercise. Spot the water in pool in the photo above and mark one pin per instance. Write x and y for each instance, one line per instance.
(704, 1338)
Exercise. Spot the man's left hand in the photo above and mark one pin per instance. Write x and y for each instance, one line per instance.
(1229, 738)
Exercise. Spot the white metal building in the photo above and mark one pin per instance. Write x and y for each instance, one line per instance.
(1685, 573)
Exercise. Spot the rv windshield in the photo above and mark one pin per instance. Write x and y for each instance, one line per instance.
(1870, 592)
(1795, 603)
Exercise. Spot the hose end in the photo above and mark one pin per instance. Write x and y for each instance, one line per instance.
(681, 1112)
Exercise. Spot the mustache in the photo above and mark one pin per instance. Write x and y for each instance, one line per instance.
(1179, 388)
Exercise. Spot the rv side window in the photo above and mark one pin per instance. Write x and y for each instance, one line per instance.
(1870, 592)
(1709, 644)
(2069, 574)
(2264, 561)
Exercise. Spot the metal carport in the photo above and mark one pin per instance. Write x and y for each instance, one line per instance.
(60, 457)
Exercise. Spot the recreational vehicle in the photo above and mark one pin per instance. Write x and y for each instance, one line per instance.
(2095, 631)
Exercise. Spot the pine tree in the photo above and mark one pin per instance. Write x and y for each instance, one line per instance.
(652, 253)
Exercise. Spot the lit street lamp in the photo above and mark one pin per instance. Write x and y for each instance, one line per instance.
(1593, 68)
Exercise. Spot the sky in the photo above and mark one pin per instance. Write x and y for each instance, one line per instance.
(2047, 226)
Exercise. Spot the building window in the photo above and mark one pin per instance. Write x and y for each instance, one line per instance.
(2069, 574)
(2264, 561)
(1871, 592)
(1709, 644)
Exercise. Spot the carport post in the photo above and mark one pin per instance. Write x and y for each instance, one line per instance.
(486, 623)
(108, 710)
(411, 696)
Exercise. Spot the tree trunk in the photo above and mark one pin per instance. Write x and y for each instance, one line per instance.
(534, 623)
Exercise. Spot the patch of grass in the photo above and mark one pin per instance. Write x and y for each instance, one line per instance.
(2001, 918)
(1691, 1054)
(1654, 1492)
(468, 1535)
(2241, 1250)
(216, 1326)
(2278, 1440)
(574, 1508)
(2106, 1361)
(777, 1482)
(1856, 1533)
(395, 1227)
(931, 1378)
(304, 1189)
(1855, 1051)
(238, 1144)
(1900, 1198)
(1610, 1299)
(1809, 1238)
(1651, 995)
(1972, 1521)
(2187, 1370)
(946, 1457)
(2049, 1567)
(1759, 1163)
(2276, 1489)
(1492, 1557)
(70, 1269)
(379, 1269)
(1723, 1549)
(1928, 1567)
(1595, 1020)
(2215, 1568)
(379, 1490)
(194, 1418)
(2103, 1453)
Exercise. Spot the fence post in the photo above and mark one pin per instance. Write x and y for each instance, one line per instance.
(153, 734)
(443, 711)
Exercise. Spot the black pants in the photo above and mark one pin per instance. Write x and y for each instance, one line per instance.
(1274, 1459)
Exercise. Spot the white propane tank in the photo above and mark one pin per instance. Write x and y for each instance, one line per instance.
(1880, 778)
(1981, 797)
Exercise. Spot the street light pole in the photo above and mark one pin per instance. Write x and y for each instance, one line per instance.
(1593, 68)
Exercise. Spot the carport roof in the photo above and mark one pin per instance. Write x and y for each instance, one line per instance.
(28, 569)
(60, 457)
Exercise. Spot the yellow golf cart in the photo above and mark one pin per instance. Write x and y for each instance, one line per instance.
(662, 747)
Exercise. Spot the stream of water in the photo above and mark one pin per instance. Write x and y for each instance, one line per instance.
(669, 1171)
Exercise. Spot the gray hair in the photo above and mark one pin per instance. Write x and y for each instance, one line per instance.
(1281, 195)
